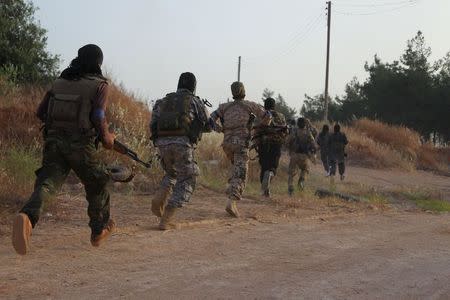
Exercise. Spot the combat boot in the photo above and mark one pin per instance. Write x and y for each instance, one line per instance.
(265, 185)
(21, 233)
(98, 239)
(232, 208)
(291, 191)
(166, 221)
(301, 184)
(160, 201)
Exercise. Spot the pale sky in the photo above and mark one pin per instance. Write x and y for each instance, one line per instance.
(148, 43)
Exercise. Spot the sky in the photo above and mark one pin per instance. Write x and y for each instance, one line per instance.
(147, 44)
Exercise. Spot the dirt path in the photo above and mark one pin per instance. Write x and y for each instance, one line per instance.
(395, 179)
(283, 249)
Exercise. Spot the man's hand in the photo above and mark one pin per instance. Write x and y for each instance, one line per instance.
(108, 140)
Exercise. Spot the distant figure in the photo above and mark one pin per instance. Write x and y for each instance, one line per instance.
(269, 140)
(73, 111)
(337, 143)
(322, 140)
(237, 121)
(178, 121)
(301, 147)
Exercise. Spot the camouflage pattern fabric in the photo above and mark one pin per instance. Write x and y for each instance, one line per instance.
(272, 134)
(61, 154)
(298, 161)
(180, 177)
(237, 153)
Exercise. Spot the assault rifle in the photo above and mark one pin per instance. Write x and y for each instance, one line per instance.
(123, 149)
(206, 102)
(263, 130)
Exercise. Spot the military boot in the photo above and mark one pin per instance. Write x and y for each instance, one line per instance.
(166, 221)
(232, 208)
(21, 234)
(265, 185)
(301, 184)
(291, 191)
(98, 239)
(160, 201)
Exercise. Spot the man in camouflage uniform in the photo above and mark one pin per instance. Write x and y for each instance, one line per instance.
(301, 145)
(236, 118)
(336, 145)
(178, 121)
(74, 114)
(268, 141)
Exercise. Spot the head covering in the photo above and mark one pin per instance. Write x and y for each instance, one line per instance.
(269, 103)
(337, 128)
(301, 123)
(88, 61)
(187, 81)
(238, 90)
(325, 128)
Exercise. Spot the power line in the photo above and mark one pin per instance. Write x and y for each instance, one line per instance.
(293, 42)
(376, 12)
(359, 4)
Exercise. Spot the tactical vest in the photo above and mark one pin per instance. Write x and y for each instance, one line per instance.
(174, 115)
(70, 105)
(303, 142)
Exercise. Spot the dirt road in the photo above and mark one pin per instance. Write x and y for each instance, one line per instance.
(283, 249)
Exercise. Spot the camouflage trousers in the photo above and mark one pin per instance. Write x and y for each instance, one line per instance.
(180, 177)
(238, 155)
(297, 161)
(62, 154)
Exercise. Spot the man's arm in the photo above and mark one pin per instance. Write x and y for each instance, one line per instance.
(42, 110)
(264, 115)
(98, 116)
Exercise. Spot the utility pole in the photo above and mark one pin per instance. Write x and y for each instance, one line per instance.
(239, 69)
(325, 115)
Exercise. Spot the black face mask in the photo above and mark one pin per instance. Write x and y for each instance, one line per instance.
(88, 61)
(187, 81)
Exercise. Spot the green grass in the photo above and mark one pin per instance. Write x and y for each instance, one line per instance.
(434, 205)
(19, 164)
(427, 200)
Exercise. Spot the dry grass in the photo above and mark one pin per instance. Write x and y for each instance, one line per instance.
(371, 144)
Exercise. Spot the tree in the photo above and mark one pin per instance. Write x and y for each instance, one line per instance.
(23, 44)
(313, 108)
(280, 104)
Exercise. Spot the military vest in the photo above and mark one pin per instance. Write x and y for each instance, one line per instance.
(303, 141)
(174, 115)
(70, 104)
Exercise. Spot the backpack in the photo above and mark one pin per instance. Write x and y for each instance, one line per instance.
(174, 115)
(303, 142)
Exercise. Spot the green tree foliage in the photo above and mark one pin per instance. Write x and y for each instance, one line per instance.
(280, 104)
(411, 91)
(23, 44)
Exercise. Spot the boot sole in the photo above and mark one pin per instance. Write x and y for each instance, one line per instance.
(105, 237)
(20, 239)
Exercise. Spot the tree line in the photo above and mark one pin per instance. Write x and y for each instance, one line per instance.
(411, 91)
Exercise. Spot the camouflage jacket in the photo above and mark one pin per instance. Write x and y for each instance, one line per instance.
(234, 117)
(275, 133)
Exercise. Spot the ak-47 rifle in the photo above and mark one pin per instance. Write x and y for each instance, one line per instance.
(206, 102)
(123, 149)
